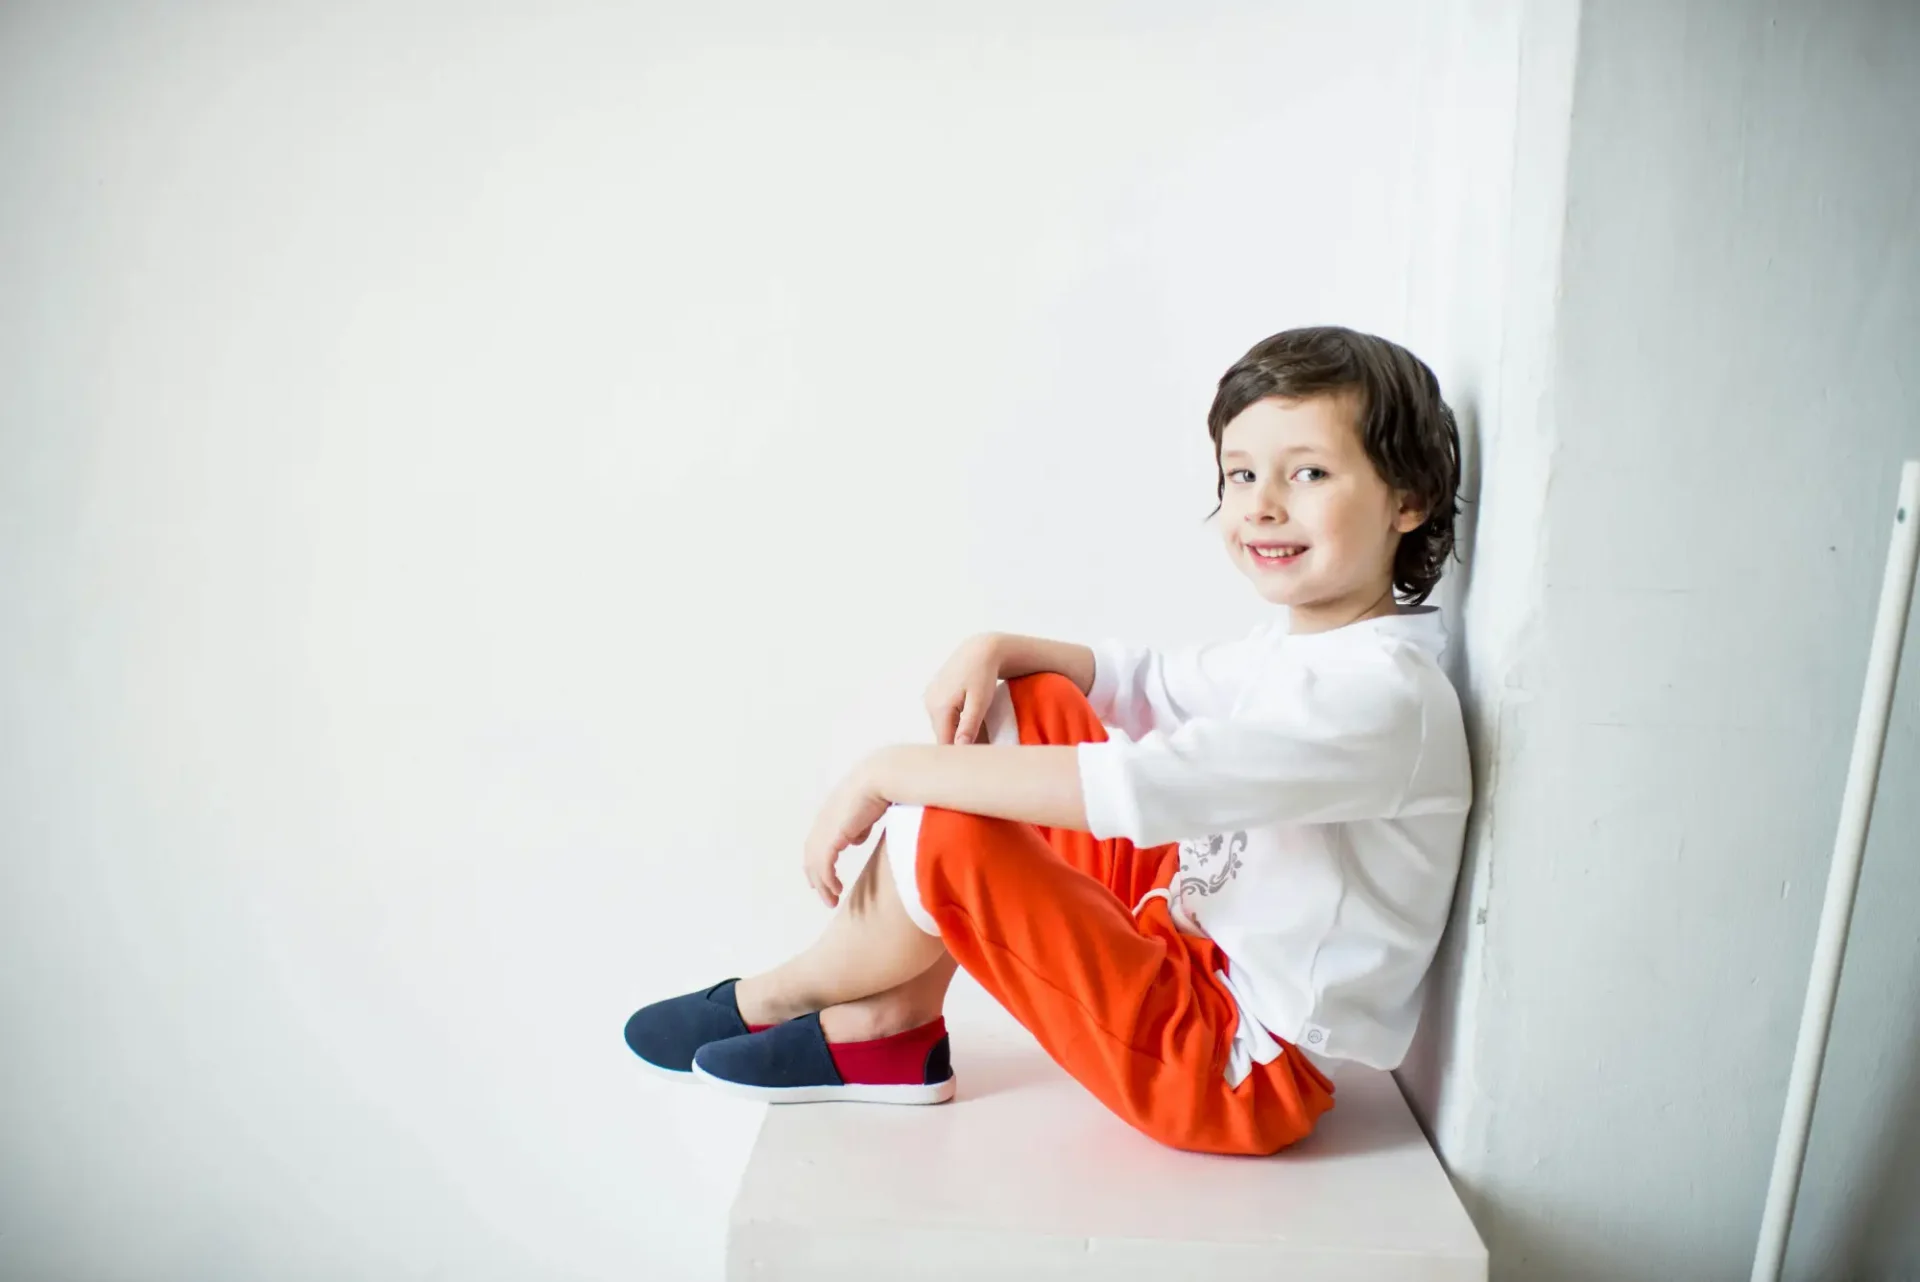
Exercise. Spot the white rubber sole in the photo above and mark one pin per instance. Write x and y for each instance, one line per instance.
(938, 1093)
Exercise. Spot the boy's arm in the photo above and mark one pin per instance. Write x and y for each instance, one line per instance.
(1033, 784)
(1345, 747)
(1133, 688)
(1039, 785)
(1018, 656)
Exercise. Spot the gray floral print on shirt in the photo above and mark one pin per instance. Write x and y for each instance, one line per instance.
(1209, 863)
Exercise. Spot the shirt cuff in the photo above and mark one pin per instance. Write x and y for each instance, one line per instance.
(1112, 808)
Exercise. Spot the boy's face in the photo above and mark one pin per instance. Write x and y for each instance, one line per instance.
(1305, 516)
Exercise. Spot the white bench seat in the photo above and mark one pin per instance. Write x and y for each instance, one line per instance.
(1025, 1176)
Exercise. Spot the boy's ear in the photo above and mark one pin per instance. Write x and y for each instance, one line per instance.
(1411, 516)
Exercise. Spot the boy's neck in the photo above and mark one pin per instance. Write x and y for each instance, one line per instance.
(1325, 616)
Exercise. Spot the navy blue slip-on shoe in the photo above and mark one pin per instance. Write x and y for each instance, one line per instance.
(666, 1034)
(792, 1063)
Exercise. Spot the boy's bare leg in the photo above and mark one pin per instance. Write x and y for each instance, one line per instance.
(870, 974)
(918, 1001)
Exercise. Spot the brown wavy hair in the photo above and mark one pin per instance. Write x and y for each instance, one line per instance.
(1407, 429)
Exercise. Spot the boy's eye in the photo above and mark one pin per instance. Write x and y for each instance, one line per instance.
(1239, 472)
(1310, 474)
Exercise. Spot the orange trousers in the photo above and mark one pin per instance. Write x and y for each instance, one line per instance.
(1128, 1005)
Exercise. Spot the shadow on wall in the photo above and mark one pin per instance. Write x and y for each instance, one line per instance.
(1535, 1244)
(1543, 1242)
(1454, 588)
(1421, 1073)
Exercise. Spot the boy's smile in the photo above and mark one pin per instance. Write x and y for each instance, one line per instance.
(1275, 555)
(1305, 515)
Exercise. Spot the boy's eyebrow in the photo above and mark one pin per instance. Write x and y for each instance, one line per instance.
(1289, 450)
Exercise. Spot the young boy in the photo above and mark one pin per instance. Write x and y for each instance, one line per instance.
(1196, 876)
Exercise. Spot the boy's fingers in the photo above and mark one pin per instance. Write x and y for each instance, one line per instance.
(823, 886)
(969, 724)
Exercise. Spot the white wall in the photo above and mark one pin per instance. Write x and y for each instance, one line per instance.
(1731, 389)
(474, 477)
(1485, 302)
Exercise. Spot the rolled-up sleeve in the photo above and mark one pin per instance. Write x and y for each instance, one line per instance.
(1344, 749)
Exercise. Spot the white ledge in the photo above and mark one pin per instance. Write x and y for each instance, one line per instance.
(1025, 1175)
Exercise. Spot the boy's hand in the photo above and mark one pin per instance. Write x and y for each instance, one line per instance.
(850, 812)
(957, 696)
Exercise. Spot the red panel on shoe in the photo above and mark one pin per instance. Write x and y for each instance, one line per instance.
(900, 1060)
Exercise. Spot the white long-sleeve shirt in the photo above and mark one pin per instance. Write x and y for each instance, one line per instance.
(1318, 786)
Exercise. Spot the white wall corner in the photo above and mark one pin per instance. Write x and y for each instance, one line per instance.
(1486, 315)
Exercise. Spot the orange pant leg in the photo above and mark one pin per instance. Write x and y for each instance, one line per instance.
(1127, 1005)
